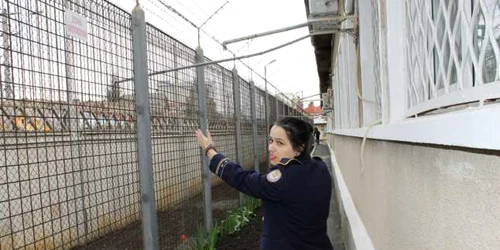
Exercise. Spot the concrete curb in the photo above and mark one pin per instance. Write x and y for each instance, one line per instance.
(355, 235)
(313, 150)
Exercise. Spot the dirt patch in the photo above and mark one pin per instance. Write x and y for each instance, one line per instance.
(183, 219)
(245, 239)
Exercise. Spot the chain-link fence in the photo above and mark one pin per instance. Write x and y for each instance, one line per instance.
(70, 164)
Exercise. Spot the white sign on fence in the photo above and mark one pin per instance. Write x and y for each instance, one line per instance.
(75, 25)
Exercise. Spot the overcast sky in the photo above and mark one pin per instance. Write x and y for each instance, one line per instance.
(294, 70)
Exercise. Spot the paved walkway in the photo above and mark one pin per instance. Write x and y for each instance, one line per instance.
(333, 223)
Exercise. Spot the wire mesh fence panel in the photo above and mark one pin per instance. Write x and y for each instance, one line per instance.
(220, 108)
(273, 109)
(68, 161)
(261, 128)
(246, 126)
(69, 175)
(176, 159)
(281, 110)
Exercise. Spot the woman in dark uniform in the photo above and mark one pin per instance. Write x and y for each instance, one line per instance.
(295, 192)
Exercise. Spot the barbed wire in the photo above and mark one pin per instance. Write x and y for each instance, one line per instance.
(193, 25)
(177, 13)
(201, 9)
(146, 8)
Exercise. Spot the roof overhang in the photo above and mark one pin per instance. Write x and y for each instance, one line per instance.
(323, 43)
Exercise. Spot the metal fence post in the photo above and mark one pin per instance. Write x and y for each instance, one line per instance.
(266, 106)
(78, 170)
(237, 119)
(7, 56)
(253, 110)
(205, 172)
(139, 47)
(237, 114)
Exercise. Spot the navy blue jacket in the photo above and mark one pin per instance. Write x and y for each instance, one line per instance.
(296, 198)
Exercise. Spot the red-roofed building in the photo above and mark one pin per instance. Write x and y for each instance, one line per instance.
(317, 113)
(313, 110)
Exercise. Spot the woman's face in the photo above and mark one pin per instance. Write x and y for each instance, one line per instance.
(279, 145)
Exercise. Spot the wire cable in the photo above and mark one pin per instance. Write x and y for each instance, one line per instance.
(362, 153)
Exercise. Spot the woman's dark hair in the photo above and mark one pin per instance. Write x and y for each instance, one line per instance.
(300, 133)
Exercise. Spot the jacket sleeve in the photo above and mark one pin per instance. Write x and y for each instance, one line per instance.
(248, 181)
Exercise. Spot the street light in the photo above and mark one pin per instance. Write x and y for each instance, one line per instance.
(266, 104)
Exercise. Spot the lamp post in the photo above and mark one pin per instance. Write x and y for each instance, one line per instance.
(266, 101)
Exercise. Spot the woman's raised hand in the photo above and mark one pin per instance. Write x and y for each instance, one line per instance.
(204, 141)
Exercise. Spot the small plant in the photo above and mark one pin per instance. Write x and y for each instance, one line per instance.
(252, 204)
(238, 218)
(234, 221)
(203, 240)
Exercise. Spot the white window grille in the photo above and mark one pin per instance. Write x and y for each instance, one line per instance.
(453, 53)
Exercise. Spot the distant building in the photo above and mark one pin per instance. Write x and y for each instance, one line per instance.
(319, 120)
(313, 110)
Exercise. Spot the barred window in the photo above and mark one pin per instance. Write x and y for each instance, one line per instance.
(452, 52)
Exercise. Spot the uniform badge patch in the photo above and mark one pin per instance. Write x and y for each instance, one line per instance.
(274, 175)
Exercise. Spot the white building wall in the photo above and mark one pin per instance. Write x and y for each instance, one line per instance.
(426, 178)
(421, 197)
